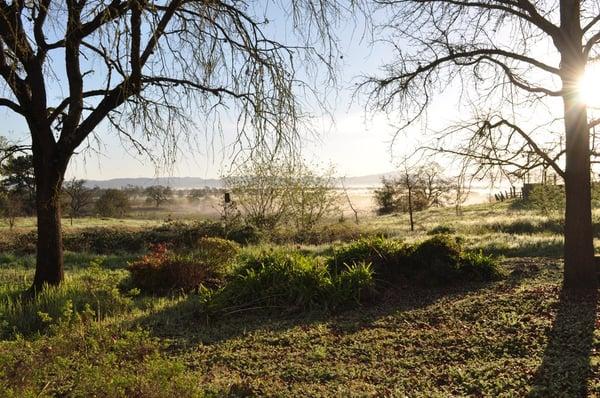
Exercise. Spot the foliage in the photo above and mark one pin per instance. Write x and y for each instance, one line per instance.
(439, 260)
(93, 296)
(79, 196)
(476, 266)
(386, 196)
(112, 203)
(258, 188)
(10, 206)
(217, 249)
(164, 271)
(18, 182)
(287, 280)
(416, 189)
(441, 230)
(271, 192)
(547, 199)
(158, 194)
(311, 197)
(385, 255)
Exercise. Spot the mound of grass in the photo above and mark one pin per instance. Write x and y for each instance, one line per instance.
(163, 271)
(287, 280)
(441, 230)
(92, 294)
(437, 261)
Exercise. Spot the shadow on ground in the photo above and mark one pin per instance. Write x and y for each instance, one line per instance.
(566, 363)
(184, 323)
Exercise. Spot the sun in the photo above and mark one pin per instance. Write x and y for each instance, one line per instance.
(589, 86)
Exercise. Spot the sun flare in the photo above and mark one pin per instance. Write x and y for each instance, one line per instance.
(589, 86)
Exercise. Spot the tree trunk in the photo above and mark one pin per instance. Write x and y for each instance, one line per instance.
(410, 210)
(580, 272)
(49, 268)
(580, 269)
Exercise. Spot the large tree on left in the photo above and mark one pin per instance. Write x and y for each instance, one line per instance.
(150, 70)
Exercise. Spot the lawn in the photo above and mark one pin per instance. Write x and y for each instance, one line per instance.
(518, 336)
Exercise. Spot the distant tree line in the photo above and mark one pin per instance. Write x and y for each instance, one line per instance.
(17, 194)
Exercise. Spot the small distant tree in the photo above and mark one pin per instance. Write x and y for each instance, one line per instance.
(547, 199)
(416, 189)
(79, 197)
(413, 194)
(18, 179)
(133, 192)
(311, 196)
(10, 207)
(112, 203)
(436, 187)
(197, 194)
(270, 192)
(386, 196)
(158, 194)
(259, 188)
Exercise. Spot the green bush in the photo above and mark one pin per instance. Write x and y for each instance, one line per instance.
(441, 230)
(286, 280)
(91, 295)
(111, 240)
(387, 256)
(354, 285)
(476, 266)
(435, 261)
(217, 250)
(162, 271)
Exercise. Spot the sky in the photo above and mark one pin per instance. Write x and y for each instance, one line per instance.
(354, 140)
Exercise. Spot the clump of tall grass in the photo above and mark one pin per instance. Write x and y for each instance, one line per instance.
(280, 279)
(439, 260)
(90, 295)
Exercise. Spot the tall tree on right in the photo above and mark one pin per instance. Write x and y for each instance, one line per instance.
(513, 62)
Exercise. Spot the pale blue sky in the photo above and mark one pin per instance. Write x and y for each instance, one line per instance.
(354, 142)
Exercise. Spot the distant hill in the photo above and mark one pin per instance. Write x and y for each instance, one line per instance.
(197, 182)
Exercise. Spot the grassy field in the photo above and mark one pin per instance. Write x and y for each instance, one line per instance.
(519, 336)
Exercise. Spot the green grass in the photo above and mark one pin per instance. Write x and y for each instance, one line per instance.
(515, 337)
(519, 336)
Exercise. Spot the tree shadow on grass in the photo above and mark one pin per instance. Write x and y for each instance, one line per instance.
(184, 323)
(565, 370)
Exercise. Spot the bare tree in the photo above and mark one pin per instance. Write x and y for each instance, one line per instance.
(512, 60)
(146, 69)
(80, 197)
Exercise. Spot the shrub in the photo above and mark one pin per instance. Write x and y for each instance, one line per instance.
(90, 295)
(217, 249)
(104, 241)
(110, 240)
(441, 230)
(278, 279)
(354, 285)
(436, 261)
(387, 256)
(281, 279)
(476, 266)
(162, 271)
(112, 203)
